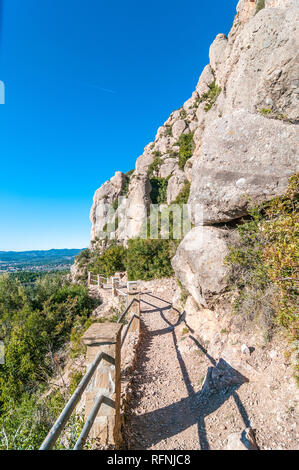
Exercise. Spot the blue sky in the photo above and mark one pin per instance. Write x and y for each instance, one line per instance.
(87, 85)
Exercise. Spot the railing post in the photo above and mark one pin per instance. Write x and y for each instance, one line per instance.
(99, 282)
(89, 278)
(135, 309)
(105, 337)
(115, 285)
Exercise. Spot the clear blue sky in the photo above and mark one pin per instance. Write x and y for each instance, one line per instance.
(87, 85)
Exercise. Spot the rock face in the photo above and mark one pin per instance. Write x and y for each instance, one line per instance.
(260, 67)
(243, 118)
(198, 262)
(245, 158)
(103, 198)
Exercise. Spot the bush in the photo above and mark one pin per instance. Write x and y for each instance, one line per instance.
(154, 167)
(168, 131)
(83, 258)
(33, 335)
(265, 111)
(260, 5)
(149, 259)
(211, 96)
(186, 145)
(158, 193)
(110, 261)
(183, 196)
(35, 326)
(25, 426)
(127, 183)
(265, 263)
(183, 113)
(115, 205)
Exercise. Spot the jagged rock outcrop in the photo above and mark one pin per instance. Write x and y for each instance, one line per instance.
(246, 144)
(103, 198)
(137, 204)
(258, 68)
(243, 118)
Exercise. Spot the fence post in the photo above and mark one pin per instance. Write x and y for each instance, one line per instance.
(105, 337)
(115, 285)
(99, 282)
(89, 278)
(135, 309)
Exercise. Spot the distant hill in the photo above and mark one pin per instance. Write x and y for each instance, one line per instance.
(37, 259)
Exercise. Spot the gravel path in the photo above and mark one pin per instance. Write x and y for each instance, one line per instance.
(164, 412)
(167, 408)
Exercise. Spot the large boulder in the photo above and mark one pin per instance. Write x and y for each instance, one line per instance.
(143, 162)
(178, 128)
(245, 159)
(199, 262)
(167, 168)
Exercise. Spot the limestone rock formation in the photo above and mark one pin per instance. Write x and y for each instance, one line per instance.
(245, 159)
(243, 118)
(103, 198)
(198, 262)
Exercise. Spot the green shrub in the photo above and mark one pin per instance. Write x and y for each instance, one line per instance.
(158, 193)
(149, 259)
(83, 257)
(259, 6)
(36, 325)
(211, 96)
(154, 167)
(127, 183)
(186, 145)
(110, 261)
(265, 263)
(115, 205)
(168, 131)
(266, 111)
(183, 196)
(183, 113)
(184, 293)
(34, 330)
(25, 426)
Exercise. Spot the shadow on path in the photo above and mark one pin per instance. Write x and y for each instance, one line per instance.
(168, 421)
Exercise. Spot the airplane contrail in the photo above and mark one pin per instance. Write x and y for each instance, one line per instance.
(96, 87)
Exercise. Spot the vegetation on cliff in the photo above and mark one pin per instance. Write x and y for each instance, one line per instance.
(265, 263)
(186, 145)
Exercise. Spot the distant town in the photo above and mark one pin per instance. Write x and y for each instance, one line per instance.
(37, 261)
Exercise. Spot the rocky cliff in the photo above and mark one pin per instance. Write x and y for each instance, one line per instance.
(234, 142)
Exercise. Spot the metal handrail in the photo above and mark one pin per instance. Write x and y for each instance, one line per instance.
(121, 292)
(123, 336)
(89, 422)
(54, 433)
(61, 421)
(126, 311)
